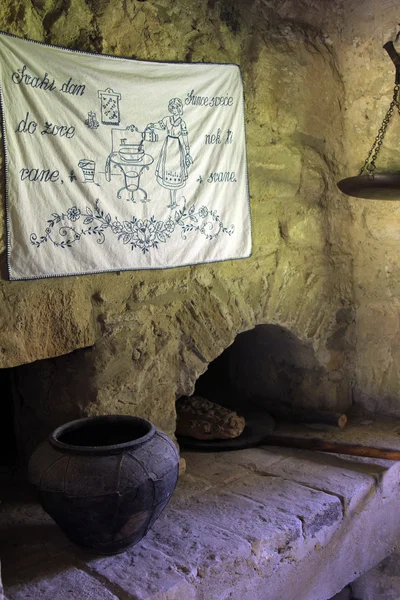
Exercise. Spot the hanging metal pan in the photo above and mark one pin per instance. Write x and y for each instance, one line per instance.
(380, 186)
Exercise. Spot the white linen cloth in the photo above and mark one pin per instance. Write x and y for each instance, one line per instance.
(116, 164)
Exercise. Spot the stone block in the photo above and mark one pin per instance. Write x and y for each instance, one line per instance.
(279, 166)
(316, 510)
(214, 467)
(382, 222)
(196, 543)
(145, 574)
(269, 532)
(61, 585)
(250, 459)
(329, 474)
(306, 228)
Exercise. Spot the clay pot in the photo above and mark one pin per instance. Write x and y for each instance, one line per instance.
(105, 480)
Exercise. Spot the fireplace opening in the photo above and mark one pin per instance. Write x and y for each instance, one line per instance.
(8, 443)
(266, 371)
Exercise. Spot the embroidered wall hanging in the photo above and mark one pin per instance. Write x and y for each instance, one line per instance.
(115, 164)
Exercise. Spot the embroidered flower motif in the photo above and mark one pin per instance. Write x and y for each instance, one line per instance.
(117, 227)
(203, 212)
(170, 226)
(73, 213)
(144, 234)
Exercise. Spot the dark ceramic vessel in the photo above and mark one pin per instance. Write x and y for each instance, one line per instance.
(105, 480)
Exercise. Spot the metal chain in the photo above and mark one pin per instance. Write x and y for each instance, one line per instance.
(369, 165)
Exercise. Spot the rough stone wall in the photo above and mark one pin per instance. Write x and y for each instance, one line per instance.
(368, 76)
(153, 333)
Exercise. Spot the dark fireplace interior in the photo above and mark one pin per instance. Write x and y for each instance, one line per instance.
(265, 366)
(266, 379)
(8, 444)
(267, 371)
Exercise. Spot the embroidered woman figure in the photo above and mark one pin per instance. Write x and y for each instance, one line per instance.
(174, 159)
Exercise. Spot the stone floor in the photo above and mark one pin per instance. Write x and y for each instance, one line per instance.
(257, 524)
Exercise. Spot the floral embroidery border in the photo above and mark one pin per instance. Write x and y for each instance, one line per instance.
(142, 234)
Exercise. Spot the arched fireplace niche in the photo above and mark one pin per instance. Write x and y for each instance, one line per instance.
(270, 369)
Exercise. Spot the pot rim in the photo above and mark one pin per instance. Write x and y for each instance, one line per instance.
(101, 450)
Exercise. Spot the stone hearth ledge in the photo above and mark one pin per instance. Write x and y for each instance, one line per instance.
(256, 524)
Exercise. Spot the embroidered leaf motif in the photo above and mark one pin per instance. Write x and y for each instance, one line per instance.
(128, 225)
(127, 238)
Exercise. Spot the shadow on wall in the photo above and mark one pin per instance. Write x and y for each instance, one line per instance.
(48, 393)
(265, 366)
(8, 445)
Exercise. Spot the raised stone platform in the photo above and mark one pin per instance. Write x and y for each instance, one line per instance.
(257, 524)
